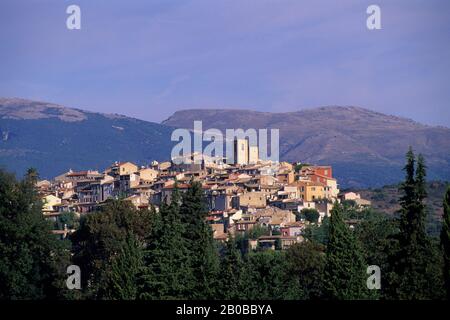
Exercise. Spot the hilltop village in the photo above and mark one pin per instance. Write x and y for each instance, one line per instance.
(279, 197)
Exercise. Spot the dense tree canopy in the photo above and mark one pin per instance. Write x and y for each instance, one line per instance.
(168, 273)
(32, 260)
(445, 241)
(305, 264)
(344, 276)
(104, 237)
(204, 258)
(415, 264)
(233, 273)
(169, 252)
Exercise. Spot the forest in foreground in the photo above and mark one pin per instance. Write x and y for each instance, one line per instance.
(128, 254)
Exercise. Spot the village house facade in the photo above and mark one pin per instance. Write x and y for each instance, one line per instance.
(239, 196)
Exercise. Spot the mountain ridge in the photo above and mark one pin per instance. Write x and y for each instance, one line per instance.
(301, 110)
(55, 138)
(18, 108)
(371, 142)
(365, 147)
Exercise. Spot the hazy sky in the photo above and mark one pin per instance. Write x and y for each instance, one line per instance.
(150, 58)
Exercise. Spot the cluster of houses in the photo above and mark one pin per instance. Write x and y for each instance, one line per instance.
(239, 197)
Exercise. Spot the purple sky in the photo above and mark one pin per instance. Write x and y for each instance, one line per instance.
(150, 58)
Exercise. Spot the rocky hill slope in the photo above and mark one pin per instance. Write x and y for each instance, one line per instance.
(54, 138)
(366, 148)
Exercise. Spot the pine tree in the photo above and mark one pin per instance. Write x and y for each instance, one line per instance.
(445, 241)
(203, 250)
(345, 268)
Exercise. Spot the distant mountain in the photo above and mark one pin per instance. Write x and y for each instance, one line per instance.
(54, 138)
(366, 148)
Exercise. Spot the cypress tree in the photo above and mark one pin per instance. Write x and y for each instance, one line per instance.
(405, 281)
(421, 178)
(414, 274)
(203, 250)
(445, 241)
(408, 199)
(168, 273)
(344, 276)
(126, 268)
(421, 193)
(232, 273)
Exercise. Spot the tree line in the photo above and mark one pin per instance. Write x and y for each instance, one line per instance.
(126, 254)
